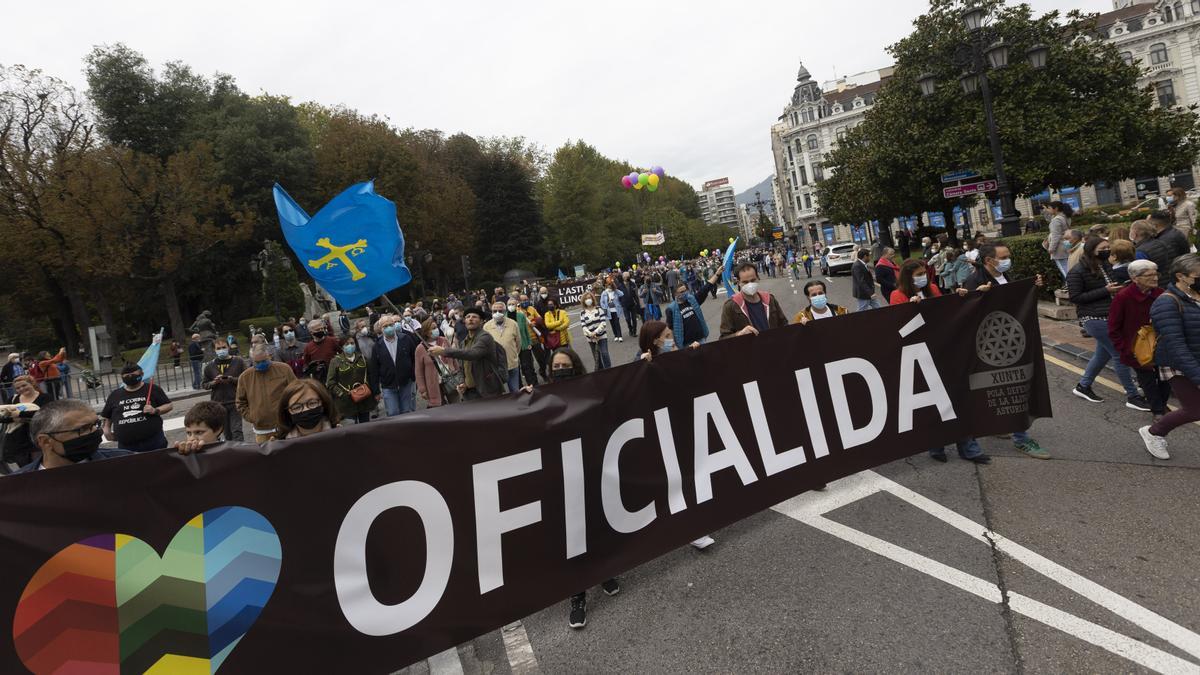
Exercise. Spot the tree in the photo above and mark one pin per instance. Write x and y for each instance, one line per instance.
(1079, 120)
(281, 294)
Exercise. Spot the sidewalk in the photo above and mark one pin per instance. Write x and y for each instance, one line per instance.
(1064, 338)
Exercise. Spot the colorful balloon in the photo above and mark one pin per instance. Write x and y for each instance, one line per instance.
(633, 177)
(658, 171)
(637, 186)
(653, 179)
(618, 263)
(731, 240)
(635, 266)
(651, 186)
(643, 178)
(625, 182)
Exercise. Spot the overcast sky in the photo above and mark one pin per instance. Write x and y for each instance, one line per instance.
(691, 86)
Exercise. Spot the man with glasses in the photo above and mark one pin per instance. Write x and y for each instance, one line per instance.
(67, 432)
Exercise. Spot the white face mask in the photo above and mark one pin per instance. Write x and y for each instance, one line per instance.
(750, 288)
(498, 317)
(587, 303)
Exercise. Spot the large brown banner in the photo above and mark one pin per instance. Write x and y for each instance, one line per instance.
(363, 549)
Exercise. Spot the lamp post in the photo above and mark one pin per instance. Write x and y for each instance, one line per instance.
(979, 55)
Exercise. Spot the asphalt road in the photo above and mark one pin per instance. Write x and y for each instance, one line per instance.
(1085, 563)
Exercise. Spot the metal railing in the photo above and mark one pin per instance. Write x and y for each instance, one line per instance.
(169, 378)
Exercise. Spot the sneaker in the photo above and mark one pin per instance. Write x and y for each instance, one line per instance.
(1086, 394)
(938, 457)
(578, 618)
(611, 587)
(1031, 448)
(979, 459)
(704, 542)
(1138, 403)
(1155, 445)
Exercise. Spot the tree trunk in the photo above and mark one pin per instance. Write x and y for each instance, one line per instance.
(106, 317)
(62, 309)
(178, 329)
(80, 313)
(951, 228)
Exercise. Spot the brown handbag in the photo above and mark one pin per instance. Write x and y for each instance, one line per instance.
(360, 392)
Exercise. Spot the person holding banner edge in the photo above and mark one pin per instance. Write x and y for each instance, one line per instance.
(749, 311)
(994, 262)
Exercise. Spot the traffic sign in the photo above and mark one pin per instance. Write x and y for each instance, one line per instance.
(962, 174)
(969, 189)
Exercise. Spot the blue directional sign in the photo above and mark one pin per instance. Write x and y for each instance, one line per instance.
(962, 174)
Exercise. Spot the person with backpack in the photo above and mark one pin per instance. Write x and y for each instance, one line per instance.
(1176, 319)
(483, 359)
(1128, 326)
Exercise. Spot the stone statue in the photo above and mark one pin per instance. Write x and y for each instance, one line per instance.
(207, 330)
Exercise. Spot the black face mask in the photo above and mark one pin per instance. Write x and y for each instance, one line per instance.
(1103, 255)
(318, 336)
(562, 373)
(79, 449)
(132, 380)
(309, 419)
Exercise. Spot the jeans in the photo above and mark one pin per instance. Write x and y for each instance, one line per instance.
(233, 424)
(514, 380)
(400, 400)
(153, 443)
(66, 382)
(615, 320)
(631, 319)
(600, 354)
(1157, 391)
(869, 303)
(359, 418)
(1062, 266)
(1189, 407)
(967, 449)
(1105, 351)
(197, 366)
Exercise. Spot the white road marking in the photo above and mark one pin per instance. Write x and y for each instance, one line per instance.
(446, 663)
(520, 652)
(810, 508)
(917, 322)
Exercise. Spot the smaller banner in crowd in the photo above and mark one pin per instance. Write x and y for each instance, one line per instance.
(570, 291)
(366, 548)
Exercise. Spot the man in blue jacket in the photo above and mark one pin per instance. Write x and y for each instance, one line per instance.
(684, 315)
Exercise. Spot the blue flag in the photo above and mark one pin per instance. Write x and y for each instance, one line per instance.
(729, 267)
(561, 276)
(353, 247)
(149, 361)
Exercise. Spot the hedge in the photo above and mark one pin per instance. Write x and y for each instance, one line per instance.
(264, 323)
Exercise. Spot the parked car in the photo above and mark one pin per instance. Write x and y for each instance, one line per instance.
(838, 258)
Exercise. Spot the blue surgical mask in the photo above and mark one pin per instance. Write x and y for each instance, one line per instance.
(262, 366)
(820, 301)
(1004, 265)
(291, 335)
(222, 353)
(349, 349)
(668, 346)
(921, 282)
(389, 331)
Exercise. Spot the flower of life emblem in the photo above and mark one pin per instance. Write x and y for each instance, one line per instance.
(1000, 340)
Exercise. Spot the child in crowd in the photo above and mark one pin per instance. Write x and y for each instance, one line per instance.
(203, 424)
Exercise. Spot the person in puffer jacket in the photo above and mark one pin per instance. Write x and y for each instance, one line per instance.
(1176, 318)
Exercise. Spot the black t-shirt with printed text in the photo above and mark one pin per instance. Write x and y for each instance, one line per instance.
(123, 410)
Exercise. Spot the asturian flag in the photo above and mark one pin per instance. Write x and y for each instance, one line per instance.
(353, 247)
(149, 361)
(729, 267)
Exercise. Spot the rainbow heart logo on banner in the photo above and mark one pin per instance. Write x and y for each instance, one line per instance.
(109, 604)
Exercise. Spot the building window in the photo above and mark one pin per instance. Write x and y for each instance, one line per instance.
(790, 157)
(1168, 15)
(841, 133)
(1165, 91)
(794, 179)
(803, 176)
(807, 201)
(1158, 53)
(1195, 6)
(1127, 57)
(813, 143)
(818, 172)
(1179, 10)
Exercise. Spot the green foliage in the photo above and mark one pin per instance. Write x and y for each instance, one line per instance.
(1079, 120)
(266, 324)
(281, 283)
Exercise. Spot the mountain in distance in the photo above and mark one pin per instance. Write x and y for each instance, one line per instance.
(764, 189)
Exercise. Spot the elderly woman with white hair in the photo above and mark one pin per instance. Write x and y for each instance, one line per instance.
(1176, 318)
(1128, 314)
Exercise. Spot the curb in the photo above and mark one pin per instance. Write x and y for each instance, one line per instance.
(1076, 353)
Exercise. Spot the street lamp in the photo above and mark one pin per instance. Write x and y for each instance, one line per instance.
(976, 57)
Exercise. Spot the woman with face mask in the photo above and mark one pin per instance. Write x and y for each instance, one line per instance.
(305, 408)
(348, 374)
(437, 377)
(819, 306)
(1091, 287)
(914, 286)
(1176, 318)
(595, 329)
(558, 324)
(26, 401)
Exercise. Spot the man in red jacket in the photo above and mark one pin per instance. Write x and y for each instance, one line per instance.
(1130, 310)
